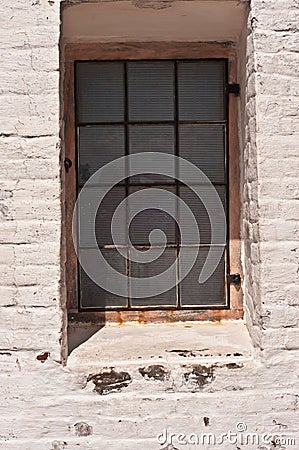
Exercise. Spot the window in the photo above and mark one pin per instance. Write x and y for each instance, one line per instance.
(120, 101)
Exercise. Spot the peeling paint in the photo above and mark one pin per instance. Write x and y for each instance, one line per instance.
(156, 372)
(82, 429)
(188, 353)
(199, 376)
(43, 356)
(109, 380)
(206, 421)
(234, 366)
(59, 445)
(153, 4)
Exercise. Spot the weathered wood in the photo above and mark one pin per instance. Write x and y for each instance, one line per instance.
(148, 50)
(70, 187)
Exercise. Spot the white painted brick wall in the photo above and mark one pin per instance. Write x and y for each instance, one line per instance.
(41, 402)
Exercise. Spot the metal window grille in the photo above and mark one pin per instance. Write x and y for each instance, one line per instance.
(178, 107)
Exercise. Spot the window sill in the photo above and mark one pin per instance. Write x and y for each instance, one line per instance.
(225, 342)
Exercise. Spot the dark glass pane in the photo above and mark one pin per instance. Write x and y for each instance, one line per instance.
(200, 213)
(103, 216)
(204, 146)
(210, 293)
(152, 218)
(152, 138)
(100, 92)
(99, 145)
(201, 90)
(148, 270)
(92, 295)
(151, 90)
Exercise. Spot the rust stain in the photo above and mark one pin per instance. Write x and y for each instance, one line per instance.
(154, 316)
(119, 318)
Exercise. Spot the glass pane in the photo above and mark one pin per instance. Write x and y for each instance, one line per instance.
(204, 146)
(99, 145)
(92, 295)
(148, 270)
(201, 90)
(210, 293)
(151, 90)
(100, 92)
(200, 213)
(103, 217)
(152, 138)
(152, 218)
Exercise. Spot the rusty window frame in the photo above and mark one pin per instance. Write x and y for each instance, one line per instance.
(142, 51)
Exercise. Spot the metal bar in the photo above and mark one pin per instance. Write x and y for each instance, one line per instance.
(154, 122)
(177, 153)
(126, 173)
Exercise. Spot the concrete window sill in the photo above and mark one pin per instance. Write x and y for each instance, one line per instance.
(199, 343)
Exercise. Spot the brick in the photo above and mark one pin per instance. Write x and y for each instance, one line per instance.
(42, 400)
(18, 148)
(38, 336)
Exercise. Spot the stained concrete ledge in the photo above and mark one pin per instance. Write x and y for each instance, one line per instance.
(149, 20)
(200, 343)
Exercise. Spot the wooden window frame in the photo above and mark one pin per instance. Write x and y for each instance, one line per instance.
(141, 51)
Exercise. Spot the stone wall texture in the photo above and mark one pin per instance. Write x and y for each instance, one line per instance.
(46, 405)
